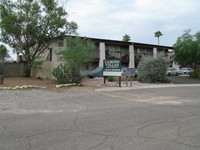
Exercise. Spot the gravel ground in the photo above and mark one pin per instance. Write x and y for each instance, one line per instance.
(38, 100)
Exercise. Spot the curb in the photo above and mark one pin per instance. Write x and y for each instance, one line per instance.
(144, 87)
(22, 87)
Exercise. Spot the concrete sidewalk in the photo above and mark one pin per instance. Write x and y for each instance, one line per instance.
(98, 85)
(144, 86)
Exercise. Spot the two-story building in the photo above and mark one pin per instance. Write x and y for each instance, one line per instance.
(130, 54)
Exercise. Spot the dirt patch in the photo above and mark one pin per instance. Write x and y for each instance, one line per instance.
(87, 84)
(19, 81)
(98, 83)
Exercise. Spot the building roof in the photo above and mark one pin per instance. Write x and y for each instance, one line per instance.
(123, 43)
(117, 42)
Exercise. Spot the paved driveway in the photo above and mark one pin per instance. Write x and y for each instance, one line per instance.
(79, 119)
(183, 80)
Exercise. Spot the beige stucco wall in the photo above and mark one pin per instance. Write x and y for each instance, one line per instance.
(45, 70)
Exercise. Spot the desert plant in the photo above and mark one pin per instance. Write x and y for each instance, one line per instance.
(67, 73)
(152, 70)
(194, 74)
(76, 53)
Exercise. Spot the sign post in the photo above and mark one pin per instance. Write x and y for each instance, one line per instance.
(112, 67)
(129, 72)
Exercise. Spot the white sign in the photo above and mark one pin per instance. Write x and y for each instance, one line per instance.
(105, 73)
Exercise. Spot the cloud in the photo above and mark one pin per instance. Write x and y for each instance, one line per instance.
(112, 19)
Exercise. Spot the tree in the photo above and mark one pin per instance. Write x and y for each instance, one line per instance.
(3, 52)
(75, 54)
(126, 38)
(158, 34)
(187, 49)
(30, 26)
(77, 50)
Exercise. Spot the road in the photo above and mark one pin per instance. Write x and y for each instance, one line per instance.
(183, 80)
(145, 119)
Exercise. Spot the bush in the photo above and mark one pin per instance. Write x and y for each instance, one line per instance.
(194, 74)
(67, 73)
(1, 78)
(111, 79)
(1, 67)
(76, 53)
(152, 70)
(22, 74)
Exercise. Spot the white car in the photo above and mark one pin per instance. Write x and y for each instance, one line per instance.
(184, 70)
(172, 71)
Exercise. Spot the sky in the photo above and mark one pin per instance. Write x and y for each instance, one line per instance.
(140, 19)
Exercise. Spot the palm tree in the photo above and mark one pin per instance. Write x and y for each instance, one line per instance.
(126, 38)
(158, 34)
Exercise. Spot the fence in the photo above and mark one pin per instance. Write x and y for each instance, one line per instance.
(13, 69)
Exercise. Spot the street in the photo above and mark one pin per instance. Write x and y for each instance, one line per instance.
(183, 80)
(82, 119)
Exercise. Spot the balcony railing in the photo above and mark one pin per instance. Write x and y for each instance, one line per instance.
(95, 54)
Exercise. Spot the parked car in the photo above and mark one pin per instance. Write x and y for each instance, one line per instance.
(136, 73)
(172, 71)
(184, 70)
(98, 72)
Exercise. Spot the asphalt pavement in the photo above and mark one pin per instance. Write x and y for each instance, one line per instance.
(183, 80)
(140, 119)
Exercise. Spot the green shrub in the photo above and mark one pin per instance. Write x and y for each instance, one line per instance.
(194, 74)
(22, 74)
(1, 67)
(110, 79)
(152, 70)
(67, 73)
(1, 78)
(3, 52)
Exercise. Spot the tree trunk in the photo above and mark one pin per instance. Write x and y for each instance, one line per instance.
(195, 66)
(28, 70)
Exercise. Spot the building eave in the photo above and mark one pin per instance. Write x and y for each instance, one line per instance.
(117, 42)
